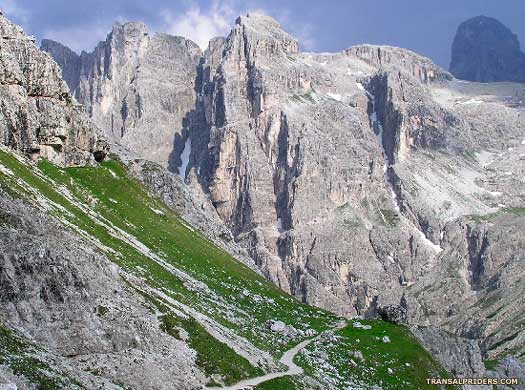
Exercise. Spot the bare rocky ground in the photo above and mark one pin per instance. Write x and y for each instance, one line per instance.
(62, 293)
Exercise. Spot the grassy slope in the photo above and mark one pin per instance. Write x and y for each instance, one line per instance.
(99, 201)
(284, 383)
(25, 359)
(213, 356)
(121, 202)
(411, 364)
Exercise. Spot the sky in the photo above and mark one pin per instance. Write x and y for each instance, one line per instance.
(426, 27)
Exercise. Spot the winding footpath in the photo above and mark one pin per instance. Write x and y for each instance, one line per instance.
(286, 359)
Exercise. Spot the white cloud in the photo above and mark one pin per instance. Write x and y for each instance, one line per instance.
(79, 38)
(83, 37)
(14, 11)
(201, 25)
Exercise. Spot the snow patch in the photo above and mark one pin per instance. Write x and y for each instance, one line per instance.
(335, 96)
(360, 86)
(158, 212)
(6, 171)
(470, 101)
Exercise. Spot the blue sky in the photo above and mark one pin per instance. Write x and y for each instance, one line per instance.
(426, 27)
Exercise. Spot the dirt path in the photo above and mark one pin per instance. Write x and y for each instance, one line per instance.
(286, 359)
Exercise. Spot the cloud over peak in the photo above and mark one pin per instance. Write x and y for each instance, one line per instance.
(201, 25)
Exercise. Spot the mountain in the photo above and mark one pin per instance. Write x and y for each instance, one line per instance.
(103, 285)
(366, 178)
(485, 50)
(67, 59)
(368, 183)
(136, 87)
(362, 179)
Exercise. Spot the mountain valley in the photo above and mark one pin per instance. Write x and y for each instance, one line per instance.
(179, 218)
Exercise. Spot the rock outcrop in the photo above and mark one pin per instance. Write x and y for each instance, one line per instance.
(38, 117)
(485, 50)
(396, 314)
(138, 88)
(461, 357)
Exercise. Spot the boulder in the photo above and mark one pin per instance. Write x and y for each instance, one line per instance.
(393, 313)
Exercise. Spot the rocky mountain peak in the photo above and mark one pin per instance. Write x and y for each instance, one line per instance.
(134, 79)
(129, 29)
(260, 36)
(185, 46)
(389, 56)
(263, 25)
(67, 59)
(128, 41)
(485, 50)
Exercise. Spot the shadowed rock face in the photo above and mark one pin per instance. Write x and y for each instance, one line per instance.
(485, 50)
(67, 59)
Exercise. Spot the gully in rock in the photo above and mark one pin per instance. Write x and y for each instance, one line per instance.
(377, 127)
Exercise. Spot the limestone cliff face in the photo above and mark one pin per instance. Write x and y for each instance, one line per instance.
(344, 175)
(37, 114)
(293, 167)
(138, 89)
(485, 50)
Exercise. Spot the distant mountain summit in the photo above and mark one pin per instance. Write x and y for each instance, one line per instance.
(67, 59)
(485, 50)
